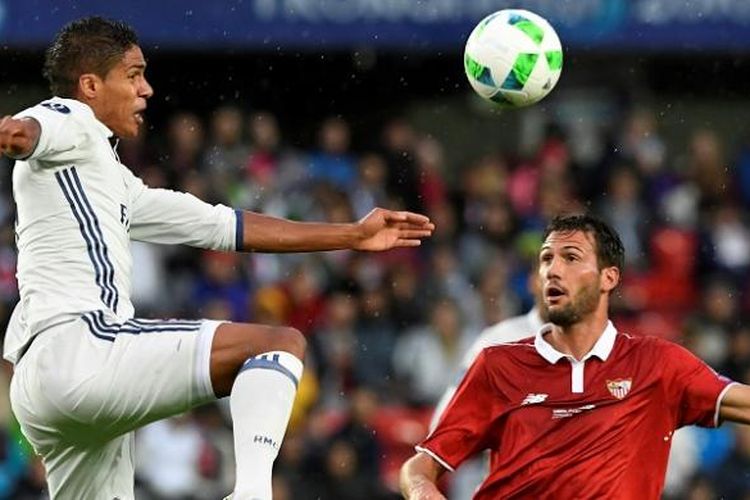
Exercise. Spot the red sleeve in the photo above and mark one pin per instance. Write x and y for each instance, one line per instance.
(461, 431)
(693, 387)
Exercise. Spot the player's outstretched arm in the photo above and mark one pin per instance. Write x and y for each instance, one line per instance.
(379, 230)
(18, 138)
(735, 406)
(419, 476)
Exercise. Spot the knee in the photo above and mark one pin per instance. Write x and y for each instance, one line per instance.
(289, 340)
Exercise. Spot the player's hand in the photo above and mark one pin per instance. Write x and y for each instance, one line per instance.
(384, 229)
(18, 137)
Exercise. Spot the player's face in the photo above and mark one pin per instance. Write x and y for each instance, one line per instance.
(122, 98)
(570, 276)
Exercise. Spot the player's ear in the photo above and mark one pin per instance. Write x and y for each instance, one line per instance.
(88, 85)
(610, 278)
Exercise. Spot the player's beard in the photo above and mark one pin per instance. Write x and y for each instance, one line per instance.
(583, 303)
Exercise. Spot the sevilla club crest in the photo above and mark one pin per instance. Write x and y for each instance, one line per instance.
(619, 388)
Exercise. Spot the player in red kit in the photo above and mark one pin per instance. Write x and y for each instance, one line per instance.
(580, 410)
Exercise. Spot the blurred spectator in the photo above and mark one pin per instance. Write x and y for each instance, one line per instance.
(708, 168)
(447, 279)
(498, 300)
(168, 458)
(184, 152)
(290, 467)
(406, 299)
(275, 177)
(738, 360)
(446, 224)
(376, 338)
(732, 479)
(304, 289)
(220, 280)
(350, 456)
(334, 345)
(370, 189)
(623, 209)
(430, 165)
(403, 178)
(216, 457)
(701, 488)
(483, 182)
(427, 356)
(358, 430)
(333, 163)
(493, 227)
(725, 244)
(708, 330)
(13, 465)
(33, 485)
(683, 463)
(642, 146)
(226, 153)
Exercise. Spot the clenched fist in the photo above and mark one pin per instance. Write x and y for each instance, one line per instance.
(18, 137)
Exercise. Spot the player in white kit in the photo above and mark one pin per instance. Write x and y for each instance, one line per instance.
(87, 372)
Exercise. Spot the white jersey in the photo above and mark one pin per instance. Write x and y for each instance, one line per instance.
(78, 208)
(509, 330)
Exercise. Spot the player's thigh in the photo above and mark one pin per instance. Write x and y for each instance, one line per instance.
(96, 378)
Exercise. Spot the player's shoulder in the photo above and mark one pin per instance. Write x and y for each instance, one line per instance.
(649, 344)
(512, 348)
(641, 340)
(58, 109)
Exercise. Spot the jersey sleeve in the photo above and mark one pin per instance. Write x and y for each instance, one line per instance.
(693, 387)
(171, 217)
(62, 137)
(461, 431)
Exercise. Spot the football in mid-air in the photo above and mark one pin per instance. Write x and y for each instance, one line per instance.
(513, 58)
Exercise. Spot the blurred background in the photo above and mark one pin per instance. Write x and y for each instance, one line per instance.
(323, 109)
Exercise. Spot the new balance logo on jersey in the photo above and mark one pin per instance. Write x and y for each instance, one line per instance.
(265, 440)
(619, 388)
(534, 398)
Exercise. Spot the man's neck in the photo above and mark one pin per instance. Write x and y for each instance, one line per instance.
(578, 339)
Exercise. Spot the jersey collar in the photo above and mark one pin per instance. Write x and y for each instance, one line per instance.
(85, 109)
(602, 348)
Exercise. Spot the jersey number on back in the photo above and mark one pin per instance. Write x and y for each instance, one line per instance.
(56, 106)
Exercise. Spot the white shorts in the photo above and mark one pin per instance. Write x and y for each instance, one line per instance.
(84, 386)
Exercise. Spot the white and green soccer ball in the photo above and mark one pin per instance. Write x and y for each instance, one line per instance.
(513, 58)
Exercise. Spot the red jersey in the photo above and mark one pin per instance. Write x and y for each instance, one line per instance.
(561, 428)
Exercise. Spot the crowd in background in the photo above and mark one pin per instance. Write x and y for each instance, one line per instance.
(387, 331)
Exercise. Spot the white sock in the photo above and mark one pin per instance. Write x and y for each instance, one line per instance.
(261, 402)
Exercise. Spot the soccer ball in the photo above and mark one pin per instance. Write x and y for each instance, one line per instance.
(513, 58)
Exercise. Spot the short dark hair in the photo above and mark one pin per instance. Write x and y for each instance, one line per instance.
(88, 45)
(609, 248)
